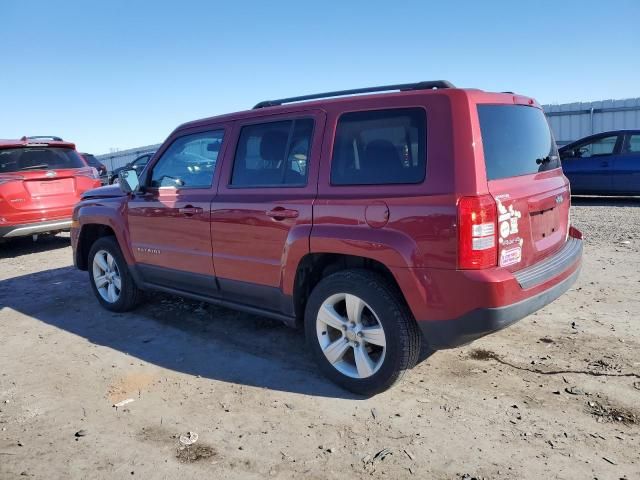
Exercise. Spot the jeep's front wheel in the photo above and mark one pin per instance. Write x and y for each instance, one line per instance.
(110, 278)
(361, 333)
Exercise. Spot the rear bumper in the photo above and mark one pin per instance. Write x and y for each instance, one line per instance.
(483, 321)
(26, 229)
(455, 307)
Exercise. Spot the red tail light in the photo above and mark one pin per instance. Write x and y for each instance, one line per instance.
(9, 177)
(87, 172)
(477, 232)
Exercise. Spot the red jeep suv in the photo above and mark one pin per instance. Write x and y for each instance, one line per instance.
(426, 213)
(41, 179)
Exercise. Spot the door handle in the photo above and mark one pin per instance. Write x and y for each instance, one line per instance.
(280, 213)
(189, 210)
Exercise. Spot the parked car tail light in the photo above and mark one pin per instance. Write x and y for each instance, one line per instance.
(90, 172)
(7, 177)
(477, 245)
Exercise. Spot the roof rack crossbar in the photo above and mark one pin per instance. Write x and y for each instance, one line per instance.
(429, 85)
(42, 137)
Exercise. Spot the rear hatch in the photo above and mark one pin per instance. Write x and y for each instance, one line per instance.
(525, 178)
(41, 179)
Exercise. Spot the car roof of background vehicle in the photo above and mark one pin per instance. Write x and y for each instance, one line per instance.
(47, 141)
(355, 100)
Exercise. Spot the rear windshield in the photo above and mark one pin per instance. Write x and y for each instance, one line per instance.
(517, 141)
(39, 158)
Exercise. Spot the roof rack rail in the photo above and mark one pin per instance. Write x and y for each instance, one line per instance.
(42, 137)
(429, 85)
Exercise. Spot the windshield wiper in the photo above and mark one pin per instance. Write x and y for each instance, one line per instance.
(34, 167)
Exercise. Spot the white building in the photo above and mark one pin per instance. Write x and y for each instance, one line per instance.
(571, 121)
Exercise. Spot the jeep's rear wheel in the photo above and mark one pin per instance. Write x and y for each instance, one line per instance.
(110, 278)
(361, 332)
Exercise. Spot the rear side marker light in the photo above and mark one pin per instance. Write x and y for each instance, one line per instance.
(575, 233)
(477, 243)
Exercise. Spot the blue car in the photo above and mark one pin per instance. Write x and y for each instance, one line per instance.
(604, 164)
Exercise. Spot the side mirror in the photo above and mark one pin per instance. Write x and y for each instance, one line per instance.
(129, 181)
(567, 154)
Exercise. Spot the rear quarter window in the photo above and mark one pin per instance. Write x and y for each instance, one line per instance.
(516, 140)
(274, 154)
(380, 147)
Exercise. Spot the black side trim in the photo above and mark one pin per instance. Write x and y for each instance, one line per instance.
(178, 279)
(246, 297)
(260, 296)
(551, 266)
(452, 333)
(289, 321)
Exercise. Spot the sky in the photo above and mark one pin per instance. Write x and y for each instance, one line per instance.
(120, 74)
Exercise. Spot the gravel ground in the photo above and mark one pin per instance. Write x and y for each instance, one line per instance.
(555, 396)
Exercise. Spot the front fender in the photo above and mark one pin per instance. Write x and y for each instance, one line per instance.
(110, 214)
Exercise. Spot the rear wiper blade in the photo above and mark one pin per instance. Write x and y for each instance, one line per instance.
(34, 167)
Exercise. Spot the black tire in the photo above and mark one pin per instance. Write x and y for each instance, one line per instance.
(403, 338)
(130, 294)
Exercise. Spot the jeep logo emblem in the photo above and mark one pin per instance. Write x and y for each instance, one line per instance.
(50, 174)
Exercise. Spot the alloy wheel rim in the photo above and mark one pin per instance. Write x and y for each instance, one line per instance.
(106, 276)
(351, 335)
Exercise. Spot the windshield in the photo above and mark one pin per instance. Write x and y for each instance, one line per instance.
(517, 141)
(39, 158)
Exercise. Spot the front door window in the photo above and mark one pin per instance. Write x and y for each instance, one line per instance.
(602, 146)
(189, 162)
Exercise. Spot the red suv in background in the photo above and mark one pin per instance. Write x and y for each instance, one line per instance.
(379, 222)
(41, 179)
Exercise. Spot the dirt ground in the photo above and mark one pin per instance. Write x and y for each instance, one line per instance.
(555, 396)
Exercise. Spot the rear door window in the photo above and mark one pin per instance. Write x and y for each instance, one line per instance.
(633, 144)
(39, 158)
(517, 141)
(380, 147)
(273, 154)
